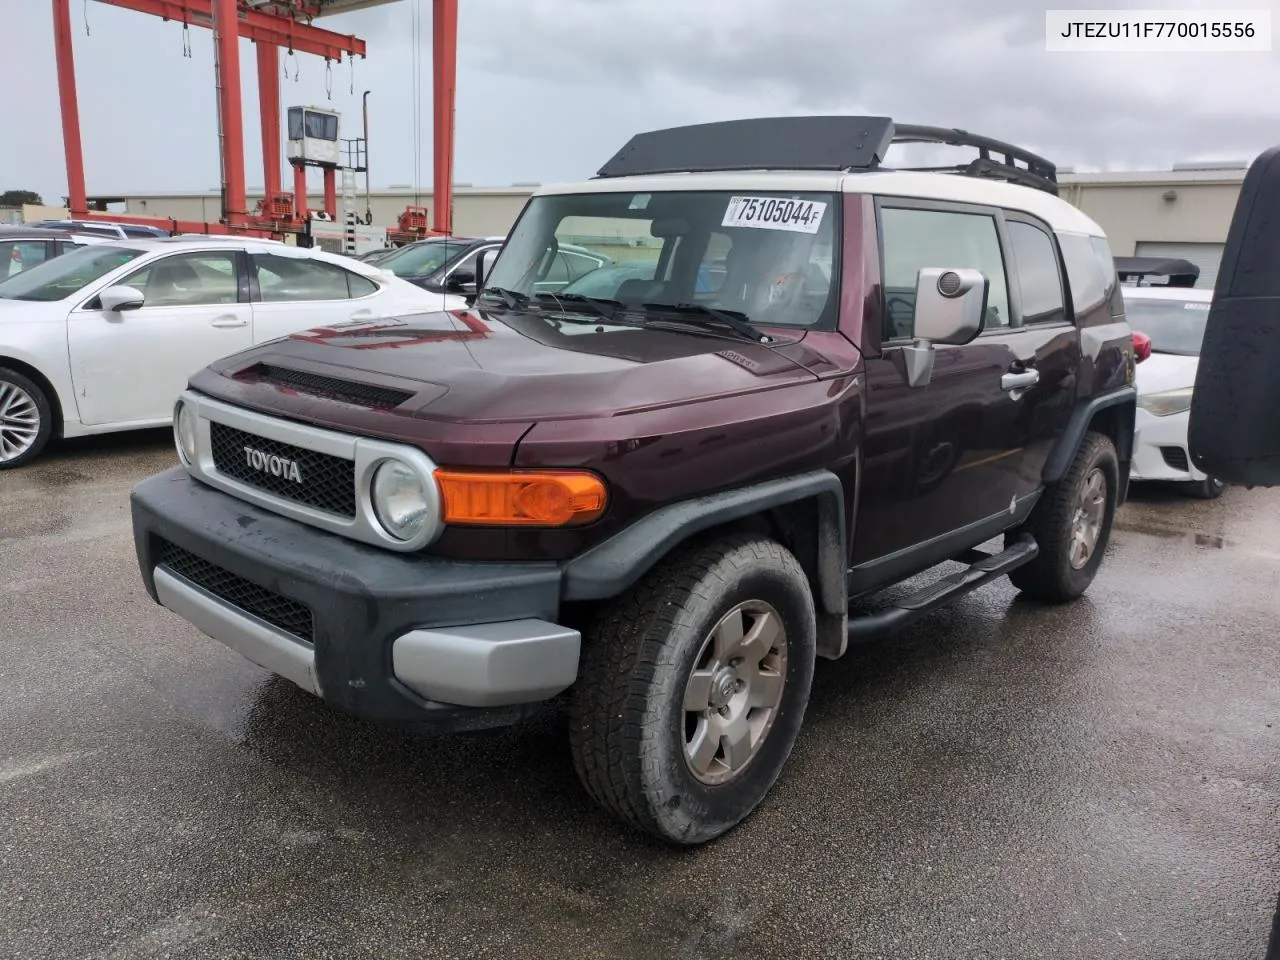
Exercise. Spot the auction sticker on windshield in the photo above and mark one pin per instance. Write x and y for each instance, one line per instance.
(774, 213)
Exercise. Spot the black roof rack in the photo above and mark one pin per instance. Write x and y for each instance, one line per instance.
(1038, 172)
(815, 143)
(766, 143)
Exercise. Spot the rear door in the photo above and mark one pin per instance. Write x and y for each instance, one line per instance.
(1044, 343)
(294, 293)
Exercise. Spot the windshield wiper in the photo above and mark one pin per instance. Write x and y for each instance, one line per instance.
(598, 304)
(512, 299)
(733, 319)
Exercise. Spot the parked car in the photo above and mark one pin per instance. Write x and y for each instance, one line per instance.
(1173, 319)
(22, 248)
(605, 282)
(103, 338)
(103, 228)
(439, 262)
(449, 263)
(374, 256)
(661, 509)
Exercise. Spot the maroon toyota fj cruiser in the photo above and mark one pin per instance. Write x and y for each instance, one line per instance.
(807, 377)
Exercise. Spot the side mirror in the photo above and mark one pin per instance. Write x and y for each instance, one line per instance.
(116, 299)
(484, 263)
(950, 308)
(1141, 346)
(461, 281)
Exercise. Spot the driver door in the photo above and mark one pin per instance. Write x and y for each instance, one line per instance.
(944, 456)
(129, 365)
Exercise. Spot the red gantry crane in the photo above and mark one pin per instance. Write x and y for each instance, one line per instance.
(271, 24)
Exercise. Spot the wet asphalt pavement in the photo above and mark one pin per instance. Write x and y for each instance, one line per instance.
(1093, 781)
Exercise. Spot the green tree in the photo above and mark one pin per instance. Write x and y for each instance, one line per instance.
(16, 198)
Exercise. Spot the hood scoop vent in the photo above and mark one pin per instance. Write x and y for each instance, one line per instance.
(331, 388)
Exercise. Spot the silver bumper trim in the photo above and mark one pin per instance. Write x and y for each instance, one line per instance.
(488, 664)
(254, 640)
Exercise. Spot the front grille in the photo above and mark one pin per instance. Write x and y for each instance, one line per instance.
(288, 615)
(1175, 457)
(332, 388)
(327, 483)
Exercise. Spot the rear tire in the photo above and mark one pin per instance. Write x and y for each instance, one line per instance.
(676, 727)
(26, 419)
(1072, 525)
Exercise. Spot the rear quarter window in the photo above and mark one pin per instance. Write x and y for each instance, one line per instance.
(1091, 272)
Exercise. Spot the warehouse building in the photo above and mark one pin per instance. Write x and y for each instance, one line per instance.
(1182, 213)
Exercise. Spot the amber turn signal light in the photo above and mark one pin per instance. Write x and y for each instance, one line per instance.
(541, 498)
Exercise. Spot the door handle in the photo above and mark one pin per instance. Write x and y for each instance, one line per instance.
(226, 323)
(1020, 381)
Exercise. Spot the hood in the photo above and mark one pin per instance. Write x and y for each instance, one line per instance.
(1165, 371)
(478, 366)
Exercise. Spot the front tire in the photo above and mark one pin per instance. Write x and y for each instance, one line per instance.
(1072, 525)
(26, 419)
(693, 688)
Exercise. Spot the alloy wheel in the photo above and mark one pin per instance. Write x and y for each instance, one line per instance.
(1086, 522)
(734, 691)
(19, 421)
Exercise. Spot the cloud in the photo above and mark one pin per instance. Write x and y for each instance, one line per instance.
(549, 89)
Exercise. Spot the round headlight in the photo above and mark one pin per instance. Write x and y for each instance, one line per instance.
(400, 500)
(184, 432)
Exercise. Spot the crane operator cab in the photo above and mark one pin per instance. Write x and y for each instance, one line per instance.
(313, 136)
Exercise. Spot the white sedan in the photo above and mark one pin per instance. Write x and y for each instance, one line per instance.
(104, 338)
(1174, 319)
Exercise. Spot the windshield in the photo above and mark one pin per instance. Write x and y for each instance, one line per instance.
(768, 255)
(63, 276)
(420, 259)
(1174, 326)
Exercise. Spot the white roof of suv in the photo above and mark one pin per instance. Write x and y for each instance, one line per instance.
(1056, 212)
(832, 154)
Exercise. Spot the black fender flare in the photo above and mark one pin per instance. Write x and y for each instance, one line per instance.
(609, 568)
(1064, 451)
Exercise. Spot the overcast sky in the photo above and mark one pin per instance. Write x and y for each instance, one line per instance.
(549, 89)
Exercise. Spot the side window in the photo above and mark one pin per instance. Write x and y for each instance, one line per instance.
(290, 279)
(19, 255)
(359, 286)
(914, 239)
(1102, 251)
(1039, 278)
(468, 263)
(187, 280)
(580, 266)
(1090, 281)
(558, 275)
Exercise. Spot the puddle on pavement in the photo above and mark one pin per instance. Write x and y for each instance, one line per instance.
(1206, 540)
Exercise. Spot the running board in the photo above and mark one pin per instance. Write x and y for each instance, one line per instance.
(983, 568)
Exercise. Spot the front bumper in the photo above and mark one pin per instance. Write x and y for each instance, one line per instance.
(1160, 450)
(400, 638)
